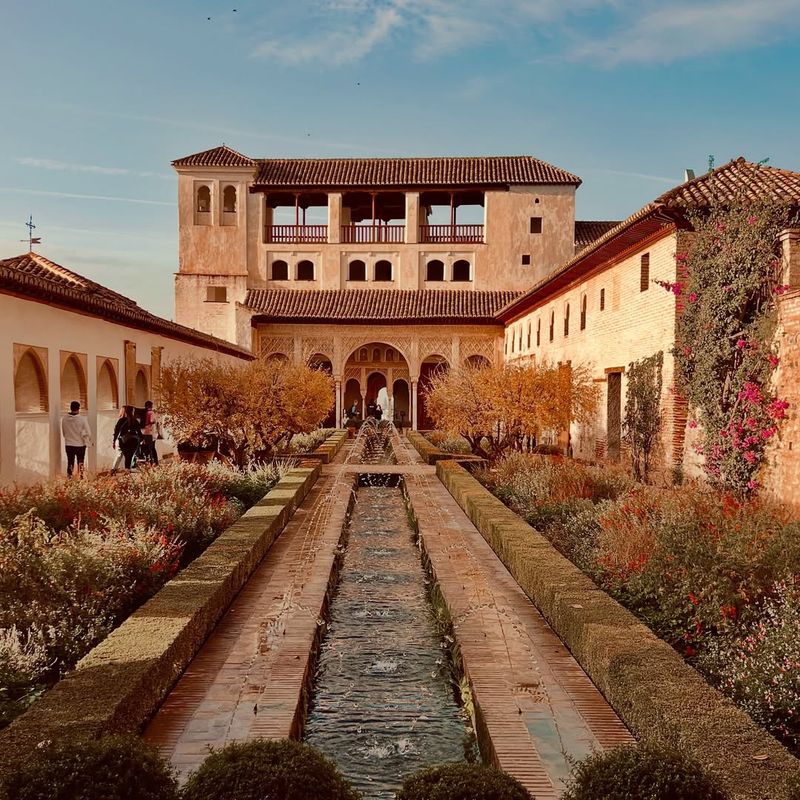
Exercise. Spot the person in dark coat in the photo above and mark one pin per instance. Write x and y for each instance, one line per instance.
(128, 434)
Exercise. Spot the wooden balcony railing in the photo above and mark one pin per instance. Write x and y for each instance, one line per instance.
(367, 234)
(451, 234)
(291, 234)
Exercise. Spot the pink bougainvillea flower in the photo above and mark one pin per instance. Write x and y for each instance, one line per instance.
(773, 360)
(692, 298)
(751, 220)
(687, 351)
(749, 457)
(681, 256)
(741, 344)
(782, 289)
(692, 423)
(751, 484)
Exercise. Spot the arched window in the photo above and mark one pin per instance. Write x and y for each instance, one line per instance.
(203, 200)
(461, 270)
(357, 270)
(305, 270)
(566, 320)
(529, 335)
(73, 383)
(280, 270)
(363, 354)
(30, 384)
(538, 332)
(383, 270)
(389, 354)
(520, 338)
(552, 324)
(434, 270)
(376, 354)
(107, 397)
(602, 299)
(583, 313)
(141, 390)
(229, 199)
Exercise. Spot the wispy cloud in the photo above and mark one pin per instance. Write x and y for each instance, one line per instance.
(337, 45)
(76, 196)
(66, 166)
(682, 30)
(608, 32)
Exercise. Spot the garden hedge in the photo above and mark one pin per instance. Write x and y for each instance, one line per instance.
(118, 686)
(659, 697)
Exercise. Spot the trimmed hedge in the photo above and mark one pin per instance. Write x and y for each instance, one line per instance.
(120, 683)
(462, 782)
(267, 769)
(114, 768)
(659, 697)
(431, 454)
(641, 772)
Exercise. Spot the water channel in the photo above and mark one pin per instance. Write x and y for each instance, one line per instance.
(383, 704)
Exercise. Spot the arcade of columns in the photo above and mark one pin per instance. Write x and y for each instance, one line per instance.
(405, 354)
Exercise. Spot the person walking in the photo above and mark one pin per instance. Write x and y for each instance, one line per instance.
(149, 430)
(77, 437)
(128, 433)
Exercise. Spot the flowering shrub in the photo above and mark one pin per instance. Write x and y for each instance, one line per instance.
(759, 666)
(724, 338)
(448, 443)
(77, 557)
(306, 442)
(713, 575)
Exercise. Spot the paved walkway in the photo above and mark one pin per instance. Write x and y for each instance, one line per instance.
(537, 705)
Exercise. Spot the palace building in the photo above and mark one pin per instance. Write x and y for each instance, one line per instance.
(378, 270)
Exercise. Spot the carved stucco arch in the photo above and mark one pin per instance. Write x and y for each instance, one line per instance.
(351, 344)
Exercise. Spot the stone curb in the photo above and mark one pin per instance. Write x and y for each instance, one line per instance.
(431, 454)
(328, 450)
(119, 684)
(658, 696)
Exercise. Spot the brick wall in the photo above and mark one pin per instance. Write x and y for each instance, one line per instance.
(781, 476)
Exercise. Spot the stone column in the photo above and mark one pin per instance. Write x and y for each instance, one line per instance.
(363, 403)
(334, 218)
(155, 375)
(413, 405)
(130, 372)
(412, 217)
(338, 392)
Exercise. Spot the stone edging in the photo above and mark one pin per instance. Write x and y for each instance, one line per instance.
(431, 454)
(327, 451)
(657, 695)
(119, 684)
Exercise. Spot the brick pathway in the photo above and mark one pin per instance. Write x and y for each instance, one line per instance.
(536, 704)
(539, 707)
(247, 681)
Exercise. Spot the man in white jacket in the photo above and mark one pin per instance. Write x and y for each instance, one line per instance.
(76, 437)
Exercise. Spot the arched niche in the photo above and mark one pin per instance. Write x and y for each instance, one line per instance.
(107, 387)
(141, 388)
(73, 382)
(30, 384)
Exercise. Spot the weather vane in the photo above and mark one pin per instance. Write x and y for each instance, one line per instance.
(32, 240)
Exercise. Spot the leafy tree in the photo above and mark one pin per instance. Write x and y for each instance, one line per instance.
(495, 408)
(242, 409)
(642, 421)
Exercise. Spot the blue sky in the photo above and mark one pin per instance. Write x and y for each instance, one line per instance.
(98, 97)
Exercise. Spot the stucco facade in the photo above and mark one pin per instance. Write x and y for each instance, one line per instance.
(51, 355)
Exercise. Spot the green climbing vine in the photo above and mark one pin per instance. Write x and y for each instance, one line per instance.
(724, 345)
(642, 421)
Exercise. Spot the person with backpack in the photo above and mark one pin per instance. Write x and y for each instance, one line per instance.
(128, 433)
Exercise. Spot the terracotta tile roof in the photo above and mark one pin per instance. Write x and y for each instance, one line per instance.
(726, 183)
(377, 305)
(341, 172)
(588, 231)
(734, 179)
(222, 156)
(37, 278)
